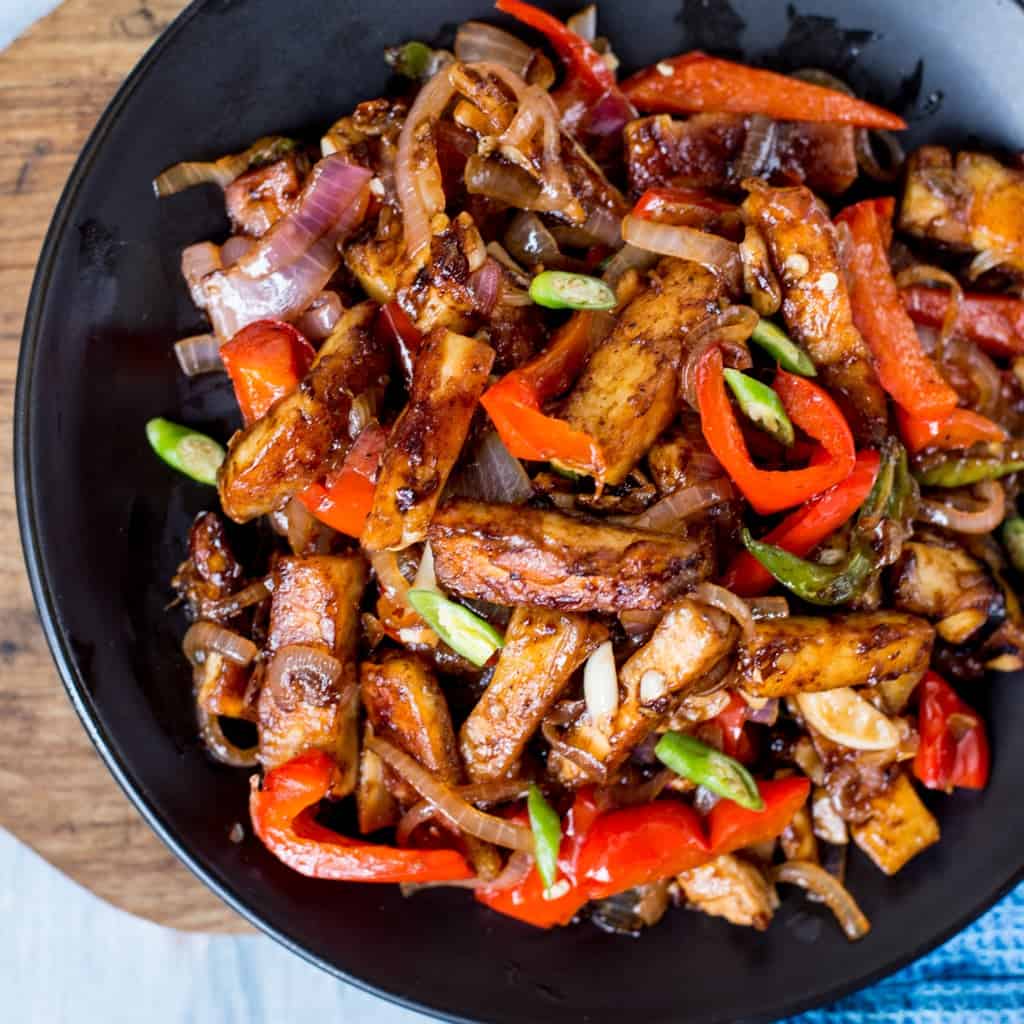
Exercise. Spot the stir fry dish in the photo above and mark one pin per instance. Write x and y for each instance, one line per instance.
(630, 472)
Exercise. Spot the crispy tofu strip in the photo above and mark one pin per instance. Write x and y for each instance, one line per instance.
(688, 642)
(805, 654)
(405, 705)
(732, 888)
(288, 449)
(978, 204)
(376, 808)
(511, 555)
(316, 604)
(542, 650)
(804, 250)
(899, 828)
(628, 393)
(425, 442)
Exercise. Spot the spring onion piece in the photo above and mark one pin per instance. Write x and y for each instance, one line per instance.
(547, 836)
(785, 352)
(1013, 541)
(223, 171)
(760, 404)
(185, 450)
(558, 289)
(465, 633)
(710, 768)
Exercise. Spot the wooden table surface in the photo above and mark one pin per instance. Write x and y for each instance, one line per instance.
(55, 793)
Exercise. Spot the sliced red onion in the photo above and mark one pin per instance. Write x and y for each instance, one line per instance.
(529, 240)
(320, 319)
(241, 599)
(726, 601)
(493, 474)
(728, 329)
(601, 684)
(766, 714)
(672, 511)
(485, 284)
(197, 262)
(477, 41)
(989, 513)
(771, 607)
(609, 115)
(223, 171)
(219, 746)
(629, 257)
(711, 251)
(203, 637)
(198, 354)
(426, 578)
(815, 879)
(235, 248)
(300, 660)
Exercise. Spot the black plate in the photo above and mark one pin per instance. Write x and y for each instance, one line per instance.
(103, 522)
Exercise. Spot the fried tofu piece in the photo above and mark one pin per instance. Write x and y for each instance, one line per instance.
(732, 888)
(258, 199)
(222, 688)
(542, 650)
(806, 654)
(804, 250)
(376, 807)
(689, 641)
(290, 447)
(315, 604)
(703, 152)
(628, 393)
(511, 555)
(976, 204)
(405, 705)
(425, 442)
(899, 828)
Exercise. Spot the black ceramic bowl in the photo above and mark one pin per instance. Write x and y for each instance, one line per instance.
(104, 522)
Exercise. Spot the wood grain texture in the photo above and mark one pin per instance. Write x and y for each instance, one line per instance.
(55, 793)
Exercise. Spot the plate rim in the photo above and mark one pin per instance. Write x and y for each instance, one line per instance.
(66, 661)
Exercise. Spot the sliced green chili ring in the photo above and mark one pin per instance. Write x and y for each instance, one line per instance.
(411, 59)
(185, 450)
(558, 289)
(1013, 541)
(710, 768)
(760, 404)
(547, 835)
(463, 631)
(785, 352)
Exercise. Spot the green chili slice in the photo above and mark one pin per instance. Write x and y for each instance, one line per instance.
(412, 59)
(967, 470)
(1013, 541)
(547, 835)
(185, 450)
(465, 633)
(760, 404)
(785, 352)
(558, 289)
(710, 768)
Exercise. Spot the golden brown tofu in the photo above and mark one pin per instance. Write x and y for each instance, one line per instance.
(939, 580)
(542, 650)
(680, 457)
(425, 442)
(688, 642)
(222, 687)
(315, 604)
(732, 888)
(405, 705)
(703, 152)
(290, 447)
(805, 654)
(375, 806)
(804, 251)
(259, 198)
(511, 555)
(899, 828)
(978, 204)
(628, 393)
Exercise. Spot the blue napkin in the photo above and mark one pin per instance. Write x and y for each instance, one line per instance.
(975, 978)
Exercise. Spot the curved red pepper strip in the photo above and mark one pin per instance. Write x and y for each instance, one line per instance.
(696, 83)
(803, 530)
(960, 429)
(282, 816)
(954, 750)
(808, 406)
(732, 722)
(904, 369)
(993, 322)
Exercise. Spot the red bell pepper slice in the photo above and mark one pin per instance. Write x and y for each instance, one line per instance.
(731, 722)
(514, 403)
(689, 206)
(954, 750)
(283, 811)
(637, 845)
(694, 82)
(960, 429)
(396, 329)
(904, 369)
(344, 499)
(808, 406)
(265, 360)
(582, 60)
(803, 530)
(993, 322)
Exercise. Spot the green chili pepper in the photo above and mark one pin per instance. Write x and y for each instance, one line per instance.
(547, 835)
(1013, 541)
(693, 760)
(761, 404)
(465, 633)
(412, 59)
(887, 508)
(187, 451)
(557, 289)
(964, 470)
(785, 352)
